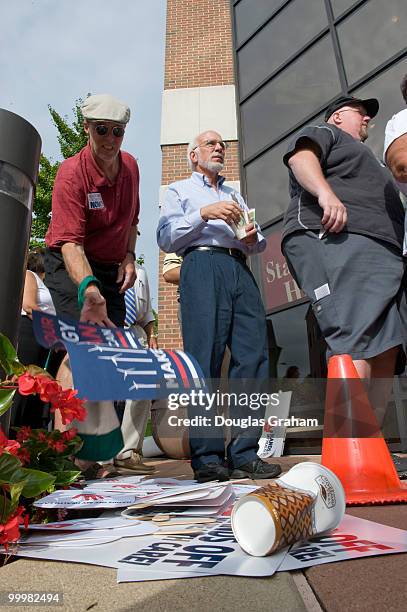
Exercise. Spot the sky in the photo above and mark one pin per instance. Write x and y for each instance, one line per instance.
(56, 51)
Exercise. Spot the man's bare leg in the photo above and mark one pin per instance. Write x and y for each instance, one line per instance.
(379, 373)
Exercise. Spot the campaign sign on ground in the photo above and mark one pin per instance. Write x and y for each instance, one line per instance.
(134, 528)
(154, 558)
(103, 522)
(213, 552)
(353, 539)
(77, 499)
(110, 364)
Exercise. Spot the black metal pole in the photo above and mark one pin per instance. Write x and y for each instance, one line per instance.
(20, 148)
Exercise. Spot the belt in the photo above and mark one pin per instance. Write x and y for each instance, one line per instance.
(237, 253)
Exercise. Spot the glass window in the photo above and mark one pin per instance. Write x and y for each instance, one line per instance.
(290, 30)
(386, 88)
(304, 86)
(340, 6)
(290, 331)
(267, 181)
(371, 35)
(267, 184)
(250, 15)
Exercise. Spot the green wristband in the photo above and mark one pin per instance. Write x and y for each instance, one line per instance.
(83, 286)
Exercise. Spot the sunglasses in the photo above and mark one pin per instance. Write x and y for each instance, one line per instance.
(102, 130)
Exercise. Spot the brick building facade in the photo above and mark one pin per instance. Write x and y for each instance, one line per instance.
(199, 94)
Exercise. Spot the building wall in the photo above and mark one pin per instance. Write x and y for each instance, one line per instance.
(199, 95)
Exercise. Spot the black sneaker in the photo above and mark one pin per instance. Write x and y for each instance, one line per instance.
(400, 463)
(256, 469)
(211, 471)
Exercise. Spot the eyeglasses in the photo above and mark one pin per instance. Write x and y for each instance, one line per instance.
(102, 130)
(360, 111)
(211, 144)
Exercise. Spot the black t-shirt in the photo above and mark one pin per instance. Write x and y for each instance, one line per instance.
(357, 178)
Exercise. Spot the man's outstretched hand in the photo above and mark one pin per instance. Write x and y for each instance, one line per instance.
(94, 309)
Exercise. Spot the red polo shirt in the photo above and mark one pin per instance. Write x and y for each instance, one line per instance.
(88, 210)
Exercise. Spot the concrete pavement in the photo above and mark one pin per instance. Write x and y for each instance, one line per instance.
(373, 583)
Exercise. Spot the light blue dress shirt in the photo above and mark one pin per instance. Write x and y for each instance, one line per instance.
(181, 226)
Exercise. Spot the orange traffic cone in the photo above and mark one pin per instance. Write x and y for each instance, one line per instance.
(353, 447)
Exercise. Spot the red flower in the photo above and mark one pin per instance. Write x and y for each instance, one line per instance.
(58, 445)
(42, 437)
(24, 456)
(8, 446)
(27, 384)
(10, 531)
(64, 400)
(24, 433)
(70, 407)
(47, 388)
(69, 434)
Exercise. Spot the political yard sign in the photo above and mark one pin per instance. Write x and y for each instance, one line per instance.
(111, 364)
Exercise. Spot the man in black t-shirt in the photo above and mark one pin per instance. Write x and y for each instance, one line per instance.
(342, 238)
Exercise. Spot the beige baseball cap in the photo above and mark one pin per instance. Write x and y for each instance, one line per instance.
(396, 127)
(105, 107)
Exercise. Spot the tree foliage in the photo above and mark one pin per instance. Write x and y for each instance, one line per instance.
(71, 138)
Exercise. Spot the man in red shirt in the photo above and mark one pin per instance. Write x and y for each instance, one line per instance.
(91, 242)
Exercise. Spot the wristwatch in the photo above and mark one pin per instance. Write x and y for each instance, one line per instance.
(132, 253)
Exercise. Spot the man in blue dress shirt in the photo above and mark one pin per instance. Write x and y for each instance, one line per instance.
(220, 303)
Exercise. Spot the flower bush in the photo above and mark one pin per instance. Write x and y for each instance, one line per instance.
(38, 461)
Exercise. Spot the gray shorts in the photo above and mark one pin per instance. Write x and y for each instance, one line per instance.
(355, 284)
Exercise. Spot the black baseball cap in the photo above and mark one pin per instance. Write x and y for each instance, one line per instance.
(371, 105)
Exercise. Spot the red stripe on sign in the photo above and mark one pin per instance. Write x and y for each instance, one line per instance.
(180, 367)
(122, 338)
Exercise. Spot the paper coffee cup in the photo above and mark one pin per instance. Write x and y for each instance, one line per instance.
(305, 502)
(271, 518)
(330, 497)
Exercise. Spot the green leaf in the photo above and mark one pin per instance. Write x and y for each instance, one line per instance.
(9, 465)
(36, 482)
(5, 507)
(15, 492)
(8, 357)
(63, 479)
(6, 399)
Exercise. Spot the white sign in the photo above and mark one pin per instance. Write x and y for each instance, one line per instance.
(78, 499)
(353, 539)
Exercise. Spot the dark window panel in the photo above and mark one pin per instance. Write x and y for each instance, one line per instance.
(267, 181)
(305, 85)
(267, 184)
(386, 88)
(290, 330)
(340, 6)
(251, 14)
(281, 38)
(371, 35)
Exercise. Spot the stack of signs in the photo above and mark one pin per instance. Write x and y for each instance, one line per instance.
(111, 364)
(199, 500)
(200, 541)
(82, 532)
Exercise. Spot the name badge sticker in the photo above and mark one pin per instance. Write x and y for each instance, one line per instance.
(95, 201)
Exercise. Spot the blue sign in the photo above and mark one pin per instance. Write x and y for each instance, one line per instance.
(111, 364)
